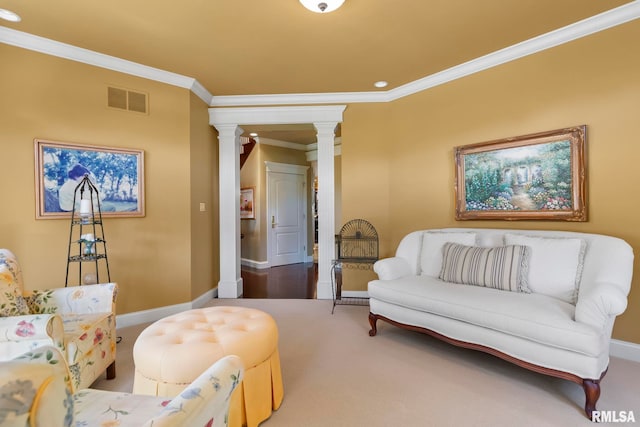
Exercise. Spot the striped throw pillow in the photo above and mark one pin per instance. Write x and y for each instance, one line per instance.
(503, 267)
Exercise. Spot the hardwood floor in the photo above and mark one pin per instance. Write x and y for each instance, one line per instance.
(294, 281)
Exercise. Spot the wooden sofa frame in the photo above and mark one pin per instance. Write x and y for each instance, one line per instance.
(591, 386)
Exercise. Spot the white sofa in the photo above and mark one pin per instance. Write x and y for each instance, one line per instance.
(565, 291)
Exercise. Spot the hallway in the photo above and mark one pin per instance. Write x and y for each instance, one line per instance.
(294, 281)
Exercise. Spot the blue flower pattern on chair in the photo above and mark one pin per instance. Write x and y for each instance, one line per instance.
(36, 390)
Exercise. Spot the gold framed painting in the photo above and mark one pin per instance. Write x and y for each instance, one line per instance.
(540, 176)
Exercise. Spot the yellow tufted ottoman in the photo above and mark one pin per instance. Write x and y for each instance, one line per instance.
(173, 351)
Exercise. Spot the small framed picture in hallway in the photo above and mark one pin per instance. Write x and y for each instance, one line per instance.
(540, 176)
(247, 203)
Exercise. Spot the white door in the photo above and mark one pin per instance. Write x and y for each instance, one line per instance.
(286, 218)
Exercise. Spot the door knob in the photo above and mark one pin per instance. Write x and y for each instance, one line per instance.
(273, 221)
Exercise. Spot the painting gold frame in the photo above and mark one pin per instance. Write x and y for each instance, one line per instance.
(540, 176)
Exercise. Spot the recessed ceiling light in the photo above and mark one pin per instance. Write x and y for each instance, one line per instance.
(7, 15)
(380, 84)
(253, 134)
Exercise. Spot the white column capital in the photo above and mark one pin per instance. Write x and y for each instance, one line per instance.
(325, 131)
(227, 131)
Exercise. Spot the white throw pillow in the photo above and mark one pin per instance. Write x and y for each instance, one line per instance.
(432, 243)
(555, 266)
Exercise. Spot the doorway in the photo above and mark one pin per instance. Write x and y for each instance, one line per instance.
(325, 119)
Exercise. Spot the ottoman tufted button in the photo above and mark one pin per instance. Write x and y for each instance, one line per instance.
(173, 351)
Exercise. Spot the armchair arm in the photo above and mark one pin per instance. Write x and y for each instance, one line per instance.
(21, 334)
(392, 268)
(83, 299)
(35, 390)
(599, 303)
(206, 398)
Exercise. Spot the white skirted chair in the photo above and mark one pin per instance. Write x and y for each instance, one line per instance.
(35, 391)
(78, 320)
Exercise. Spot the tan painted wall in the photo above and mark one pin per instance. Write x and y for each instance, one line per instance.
(397, 162)
(56, 99)
(251, 246)
(205, 225)
(406, 148)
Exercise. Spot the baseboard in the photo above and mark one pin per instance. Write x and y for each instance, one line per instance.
(355, 294)
(254, 264)
(625, 350)
(621, 349)
(204, 299)
(151, 315)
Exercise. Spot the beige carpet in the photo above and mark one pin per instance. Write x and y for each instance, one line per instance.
(336, 375)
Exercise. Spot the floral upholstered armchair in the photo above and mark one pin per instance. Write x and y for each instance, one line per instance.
(35, 391)
(78, 320)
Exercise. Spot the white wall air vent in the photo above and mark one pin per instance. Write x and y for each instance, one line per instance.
(124, 99)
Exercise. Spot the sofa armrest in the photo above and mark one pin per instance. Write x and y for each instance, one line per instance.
(599, 303)
(392, 268)
(21, 334)
(207, 397)
(100, 298)
(36, 390)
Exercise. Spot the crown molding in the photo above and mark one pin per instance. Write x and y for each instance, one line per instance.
(588, 26)
(608, 19)
(62, 50)
(201, 92)
(298, 99)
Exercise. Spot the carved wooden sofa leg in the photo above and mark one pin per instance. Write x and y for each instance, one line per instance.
(111, 370)
(591, 393)
(372, 321)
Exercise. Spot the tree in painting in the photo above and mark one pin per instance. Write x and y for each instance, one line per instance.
(114, 174)
(532, 177)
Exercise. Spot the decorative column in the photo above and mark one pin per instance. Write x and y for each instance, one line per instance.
(230, 285)
(326, 206)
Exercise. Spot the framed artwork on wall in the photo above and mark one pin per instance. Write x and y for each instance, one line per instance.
(540, 176)
(247, 203)
(117, 173)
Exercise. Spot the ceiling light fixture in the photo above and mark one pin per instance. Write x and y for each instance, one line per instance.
(7, 15)
(253, 134)
(381, 84)
(322, 6)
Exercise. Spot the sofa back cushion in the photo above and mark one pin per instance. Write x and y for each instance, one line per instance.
(503, 267)
(555, 266)
(432, 244)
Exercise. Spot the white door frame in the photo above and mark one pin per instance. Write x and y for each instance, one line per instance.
(290, 169)
(227, 122)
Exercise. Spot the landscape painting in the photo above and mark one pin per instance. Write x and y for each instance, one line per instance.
(537, 176)
(117, 174)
